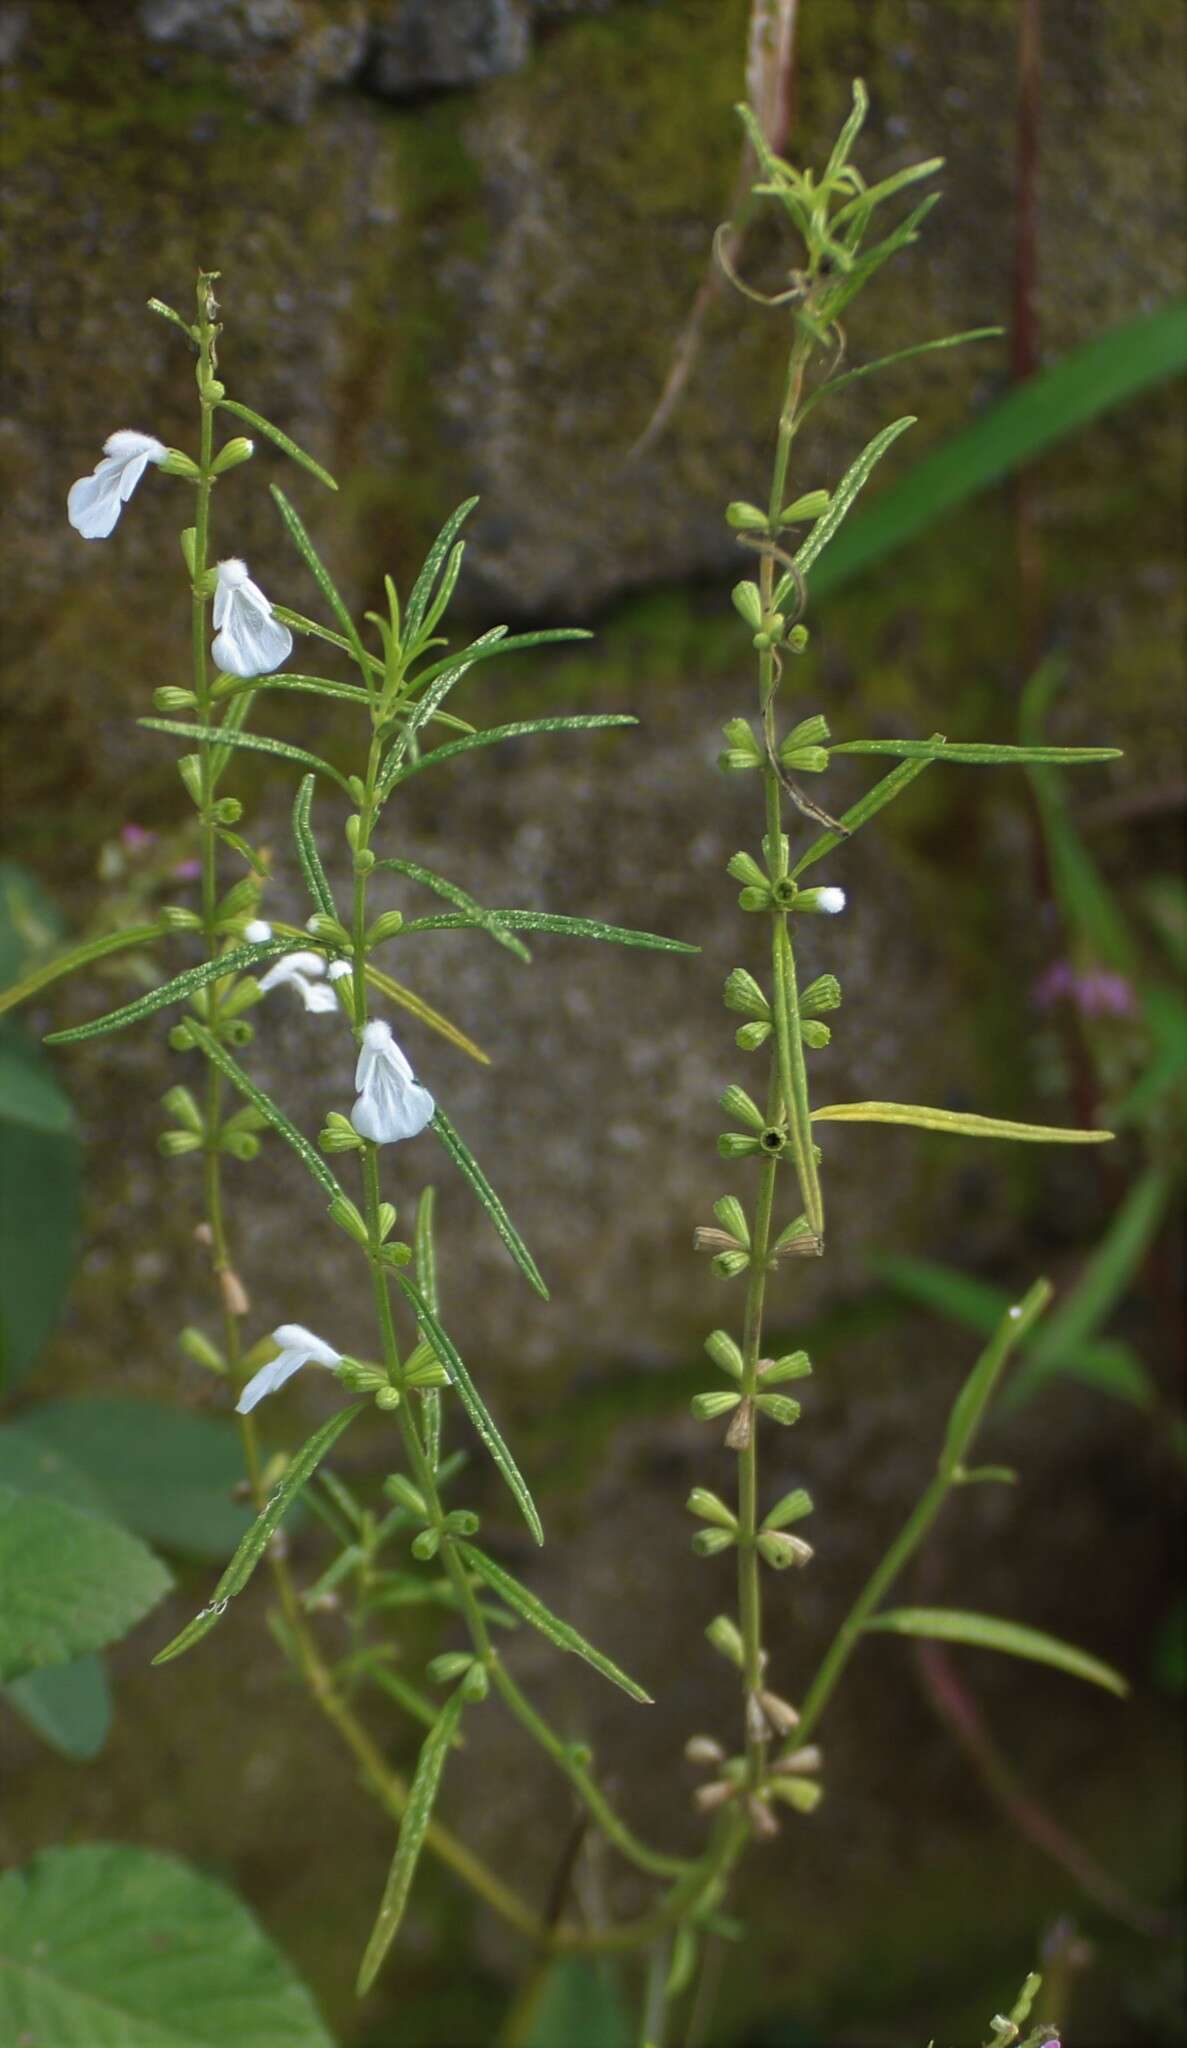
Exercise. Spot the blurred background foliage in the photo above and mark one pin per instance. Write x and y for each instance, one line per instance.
(461, 246)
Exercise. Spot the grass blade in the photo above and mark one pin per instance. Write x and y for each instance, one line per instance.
(470, 1171)
(281, 439)
(473, 1404)
(549, 1624)
(414, 1826)
(299, 1471)
(960, 1123)
(987, 1632)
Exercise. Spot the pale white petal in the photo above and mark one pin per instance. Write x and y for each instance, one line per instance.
(267, 1379)
(294, 967)
(93, 504)
(295, 1337)
(126, 445)
(319, 996)
(337, 968)
(390, 1108)
(257, 933)
(252, 642)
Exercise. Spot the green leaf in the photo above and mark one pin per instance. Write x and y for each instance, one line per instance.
(547, 921)
(40, 1194)
(489, 921)
(238, 959)
(299, 1470)
(254, 742)
(947, 1291)
(493, 736)
(307, 853)
(549, 1624)
(862, 811)
(310, 1158)
(974, 754)
(422, 589)
(304, 686)
(371, 664)
(77, 956)
(977, 1391)
(855, 478)
(72, 1582)
(414, 1826)
(470, 1171)
(902, 355)
(490, 644)
(281, 439)
(417, 1007)
(473, 1404)
(1106, 372)
(574, 2000)
(425, 1247)
(987, 1632)
(69, 1705)
(31, 925)
(960, 1123)
(108, 1947)
(166, 1473)
(324, 581)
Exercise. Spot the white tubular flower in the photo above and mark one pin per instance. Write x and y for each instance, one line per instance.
(303, 970)
(830, 901)
(298, 1347)
(250, 641)
(391, 1104)
(258, 932)
(95, 502)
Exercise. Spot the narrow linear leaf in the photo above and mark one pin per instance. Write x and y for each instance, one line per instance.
(254, 742)
(300, 1470)
(974, 754)
(307, 853)
(489, 921)
(855, 478)
(414, 1826)
(987, 1632)
(281, 439)
(238, 960)
(961, 1123)
(548, 921)
(425, 1248)
(323, 579)
(977, 1391)
(496, 642)
(312, 686)
(416, 1006)
(533, 1610)
(495, 734)
(70, 962)
(470, 1171)
(426, 708)
(863, 810)
(945, 1289)
(310, 1158)
(902, 355)
(473, 1404)
(422, 590)
(300, 624)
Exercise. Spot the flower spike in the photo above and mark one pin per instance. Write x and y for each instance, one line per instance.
(391, 1104)
(95, 502)
(250, 641)
(298, 1347)
(303, 971)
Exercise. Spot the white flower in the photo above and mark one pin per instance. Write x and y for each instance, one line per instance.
(95, 502)
(337, 968)
(831, 900)
(303, 970)
(391, 1104)
(250, 641)
(257, 933)
(298, 1347)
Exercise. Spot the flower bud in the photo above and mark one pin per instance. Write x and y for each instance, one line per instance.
(452, 1664)
(177, 464)
(742, 867)
(810, 506)
(241, 1145)
(388, 1398)
(232, 454)
(804, 760)
(828, 901)
(801, 1793)
(747, 602)
(710, 1542)
(801, 1762)
(702, 1750)
(364, 861)
(348, 1218)
(709, 1507)
(735, 1102)
(707, 1407)
(792, 1508)
(475, 1684)
(181, 1106)
(727, 1265)
(173, 1144)
(797, 640)
(780, 1407)
(780, 1550)
(751, 1037)
(820, 995)
(170, 698)
(732, 1217)
(405, 1495)
(724, 1636)
(385, 927)
(196, 1345)
(814, 1033)
(227, 811)
(176, 919)
(709, 1797)
(329, 930)
(426, 1545)
(743, 994)
(780, 1713)
(338, 1134)
(745, 518)
(732, 1145)
(726, 1355)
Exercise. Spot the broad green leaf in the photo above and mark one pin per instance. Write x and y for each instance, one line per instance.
(281, 439)
(414, 1826)
(417, 1007)
(69, 962)
(324, 581)
(855, 478)
(495, 734)
(1106, 372)
(299, 1470)
(862, 811)
(72, 1582)
(109, 1947)
(960, 1123)
(309, 1156)
(974, 754)
(307, 853)
(255, 743)
(29, 1465)
(533, 1610)
(547, 921)
(987, 1632)
(470, 1171)
(166, 1473)
(977, 1391)
(422, 590)
(473, 1404)
(489, 921)
(40, 1192)
(237, 960)
(69, 1705)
